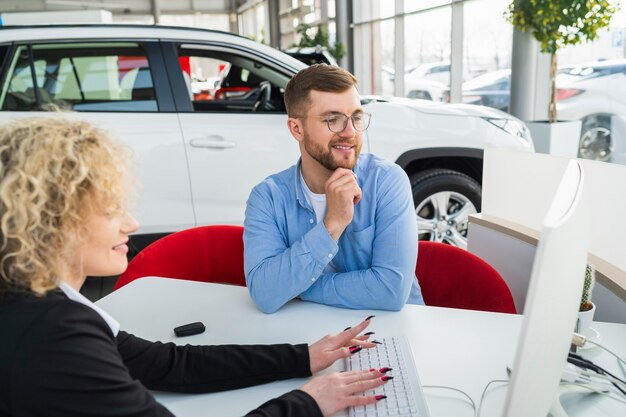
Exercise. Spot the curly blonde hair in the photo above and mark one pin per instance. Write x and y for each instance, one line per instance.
(54, 172)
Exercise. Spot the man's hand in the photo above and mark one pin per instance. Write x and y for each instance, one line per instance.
(342, 193)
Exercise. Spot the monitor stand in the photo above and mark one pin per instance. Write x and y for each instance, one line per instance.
(572, 397)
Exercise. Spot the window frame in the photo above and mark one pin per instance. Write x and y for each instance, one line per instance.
(156, 66)
(179, 88)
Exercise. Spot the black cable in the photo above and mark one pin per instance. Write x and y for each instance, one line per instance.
(581, 362)
(596, 368)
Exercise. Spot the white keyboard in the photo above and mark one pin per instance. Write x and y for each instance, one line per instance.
(404, 393)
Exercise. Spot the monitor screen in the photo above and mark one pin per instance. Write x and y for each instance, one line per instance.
(552, 302)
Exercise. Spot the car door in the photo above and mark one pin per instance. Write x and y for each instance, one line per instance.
(235, 131)
(121, 87)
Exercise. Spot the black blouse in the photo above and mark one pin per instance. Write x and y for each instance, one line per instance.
(59, 358)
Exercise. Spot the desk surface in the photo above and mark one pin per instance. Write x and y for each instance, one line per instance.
(456, 348)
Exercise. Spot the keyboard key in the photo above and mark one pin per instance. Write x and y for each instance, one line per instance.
(404, 393)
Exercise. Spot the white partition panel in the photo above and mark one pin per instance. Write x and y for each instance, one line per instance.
(517, 189)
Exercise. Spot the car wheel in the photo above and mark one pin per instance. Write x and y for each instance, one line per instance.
(596, 140)
(443, 201)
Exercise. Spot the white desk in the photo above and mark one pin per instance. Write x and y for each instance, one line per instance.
(457, 348)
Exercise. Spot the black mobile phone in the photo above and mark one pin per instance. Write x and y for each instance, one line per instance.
(189, 329)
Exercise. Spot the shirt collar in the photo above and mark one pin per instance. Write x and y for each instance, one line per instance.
(300, 195)
(74, 295)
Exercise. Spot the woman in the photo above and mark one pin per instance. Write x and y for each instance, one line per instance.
(62, 191)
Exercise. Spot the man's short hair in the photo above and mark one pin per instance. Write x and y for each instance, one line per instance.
(319, 77)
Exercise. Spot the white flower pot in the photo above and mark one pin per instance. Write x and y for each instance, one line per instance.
(584, 321)
(559, 138)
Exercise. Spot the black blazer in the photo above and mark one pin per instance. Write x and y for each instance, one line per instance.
(59, 358)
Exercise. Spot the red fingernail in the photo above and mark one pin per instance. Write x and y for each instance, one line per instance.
(372, 369)
(380, 397)
(384, 370)
(386, 378)
(355, 349)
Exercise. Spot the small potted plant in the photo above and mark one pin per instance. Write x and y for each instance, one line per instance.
(587, 308)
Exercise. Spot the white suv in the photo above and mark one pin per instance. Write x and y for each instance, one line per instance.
(200, 152)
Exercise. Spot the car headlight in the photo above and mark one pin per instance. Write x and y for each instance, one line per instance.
(511, 126)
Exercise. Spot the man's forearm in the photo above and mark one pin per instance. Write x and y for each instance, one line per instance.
(377, 288)
(285, 272)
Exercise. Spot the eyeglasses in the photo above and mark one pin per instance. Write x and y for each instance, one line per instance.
(338, 122)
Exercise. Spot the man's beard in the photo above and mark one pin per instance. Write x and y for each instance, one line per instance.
(324, 155)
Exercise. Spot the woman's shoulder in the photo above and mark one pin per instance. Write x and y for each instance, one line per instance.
(33, 319)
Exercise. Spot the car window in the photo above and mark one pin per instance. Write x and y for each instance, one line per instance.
(219, 81)
(438, 69)
(80, 77)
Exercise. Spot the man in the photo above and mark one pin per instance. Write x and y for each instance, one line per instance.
(336, 228)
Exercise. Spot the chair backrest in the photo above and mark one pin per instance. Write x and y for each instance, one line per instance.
(207, 253)
(453, 277)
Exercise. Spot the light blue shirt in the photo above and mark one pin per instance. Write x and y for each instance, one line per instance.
(286, 249)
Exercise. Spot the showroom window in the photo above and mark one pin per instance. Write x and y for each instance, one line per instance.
(79, 77)
(427, 54)
(223, 82)
(487, 44)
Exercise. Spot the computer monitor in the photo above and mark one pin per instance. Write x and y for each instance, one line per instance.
(552, 302)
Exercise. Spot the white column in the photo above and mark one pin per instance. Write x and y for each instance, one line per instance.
(342, 24)
(530, 79)
(399, 49)
(156, 11)
(456, 53)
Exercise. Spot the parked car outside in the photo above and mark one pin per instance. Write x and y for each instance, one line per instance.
(491, 89)
(593, 93)
(416, 87)
(425, 89)
(199, 156)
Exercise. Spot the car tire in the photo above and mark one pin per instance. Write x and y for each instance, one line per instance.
(443, 201)
(596, 138)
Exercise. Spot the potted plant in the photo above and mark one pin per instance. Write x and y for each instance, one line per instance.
(555, 24)
(587, 308)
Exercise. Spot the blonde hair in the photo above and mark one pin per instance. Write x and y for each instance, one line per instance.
(54, 171)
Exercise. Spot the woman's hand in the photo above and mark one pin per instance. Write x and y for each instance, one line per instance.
(328, 349)
(338, 390)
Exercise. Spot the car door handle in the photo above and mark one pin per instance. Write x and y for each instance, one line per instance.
(212, 142)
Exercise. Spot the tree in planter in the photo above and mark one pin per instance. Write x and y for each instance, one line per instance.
(337, 50)
(557, 23)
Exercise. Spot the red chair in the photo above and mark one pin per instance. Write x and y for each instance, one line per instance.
(207, 254)
(453, 277)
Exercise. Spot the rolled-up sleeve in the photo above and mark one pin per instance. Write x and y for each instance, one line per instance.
(277, 272)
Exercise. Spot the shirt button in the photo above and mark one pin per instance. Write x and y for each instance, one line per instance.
(313, 279)
(330, 255)
(311, 221)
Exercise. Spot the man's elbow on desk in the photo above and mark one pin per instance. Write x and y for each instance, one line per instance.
(266, 306)
(266, 302)
(393, 305)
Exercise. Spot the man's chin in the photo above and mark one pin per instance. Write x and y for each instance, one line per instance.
(346, 163)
